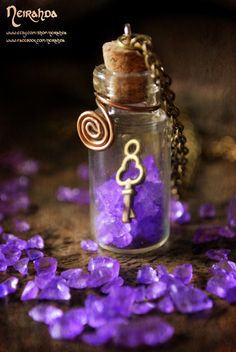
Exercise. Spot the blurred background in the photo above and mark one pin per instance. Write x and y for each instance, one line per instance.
(45, 87)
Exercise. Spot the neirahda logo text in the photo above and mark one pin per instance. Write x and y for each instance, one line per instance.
(34, 15)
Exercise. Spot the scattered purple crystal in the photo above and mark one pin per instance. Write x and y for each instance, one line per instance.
(89, 245)
(82, 171)
(117, 282)
(183, 273)
(149, 331)
(231, 212)
(223, 266)
(206, 234)
(14, 242)
(166, 305)
(21, 226)
(189, 299)
(140, 293)
(30, 291)
(78, 280)
(185, 218)
(11, 253)
(72, 195)
(8, 286)
(231, 295)
(146, 275)
(3, 262)
(177, 210)
(46, 266)
(22, 266)
(218, 254)
(45, 313)
(227, 232)
(207, 211)
(36, 242)
(68, 326)
(142, 308)
(111, 264)
(27, 167)
(34, 254)
(66, 274)
(220, 283)
(156, 290)
(56, 289)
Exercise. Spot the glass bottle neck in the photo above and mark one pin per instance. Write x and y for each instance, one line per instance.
(135, 88)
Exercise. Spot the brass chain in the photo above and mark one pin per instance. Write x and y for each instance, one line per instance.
(179, 151)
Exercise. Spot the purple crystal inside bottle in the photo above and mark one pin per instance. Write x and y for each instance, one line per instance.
(147, 228)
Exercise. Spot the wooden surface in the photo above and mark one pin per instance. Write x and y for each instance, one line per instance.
(64, 225)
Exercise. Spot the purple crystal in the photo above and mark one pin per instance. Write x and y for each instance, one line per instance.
(156, 290)
(223, 266)
(34, 254)
(149, 331)
(11, 253)
(35, 241)
(14, 242)
(146, 275)
(231, 212)
(104, 334)
(218, 254)
(142, 308)
(21, 226)
(45, 313)
(43, 280)
(8, 286)
(78, 280)
(82, 171)
(111, 264)
(30, 291)
(89, 245)
(56, 289)
(140, 293)
(22, 266)
(100, 277)
(27, 167)
(117, 282)
(207, 211)
(166, 305)
(220, 283)
(72, 195)
(67, 326)
(183, 273)
(102, 270)
(226, 232)
(148, 226)
(66, 274)
(206, 234)
(185, 218)
(117, 304)
(177, 210)
(189, 299)
(231, 295)
(46, 266)
(3, 262)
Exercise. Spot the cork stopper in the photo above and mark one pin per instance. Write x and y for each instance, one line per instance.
(129, 85)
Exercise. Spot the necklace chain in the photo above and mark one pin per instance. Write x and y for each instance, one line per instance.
(179, 151)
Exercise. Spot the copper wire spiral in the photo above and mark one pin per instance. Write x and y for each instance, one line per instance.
(96, 129)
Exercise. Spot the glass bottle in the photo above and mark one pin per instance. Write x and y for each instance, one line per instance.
(130, 179)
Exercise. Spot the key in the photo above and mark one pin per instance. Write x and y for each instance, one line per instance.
(131, 150)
